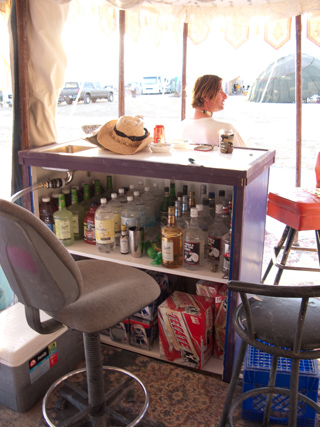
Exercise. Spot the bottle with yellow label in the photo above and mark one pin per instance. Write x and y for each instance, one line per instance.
(104, 227)
(63, 223)
(171, 242)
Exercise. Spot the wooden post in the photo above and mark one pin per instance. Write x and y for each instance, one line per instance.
(184, 72)
(298, 100)
(122, 24)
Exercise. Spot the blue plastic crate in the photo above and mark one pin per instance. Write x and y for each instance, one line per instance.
(257, 366)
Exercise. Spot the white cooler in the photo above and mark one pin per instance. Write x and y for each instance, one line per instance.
(30, 362)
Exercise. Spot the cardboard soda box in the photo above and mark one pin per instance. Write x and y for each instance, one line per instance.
(185, 329)
(142, 332)
(219, 292)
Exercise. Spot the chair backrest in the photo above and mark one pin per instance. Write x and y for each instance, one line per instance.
(295, 318)
(317, 170)
(39, 269)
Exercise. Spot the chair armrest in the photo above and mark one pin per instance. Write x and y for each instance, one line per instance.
(47, 327)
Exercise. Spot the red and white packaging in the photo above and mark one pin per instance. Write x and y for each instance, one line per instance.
(185, 329)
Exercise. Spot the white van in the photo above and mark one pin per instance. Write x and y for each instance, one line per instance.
(153, 84)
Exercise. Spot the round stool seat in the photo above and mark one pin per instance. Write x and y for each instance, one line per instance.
(296, 207)
(275, 321)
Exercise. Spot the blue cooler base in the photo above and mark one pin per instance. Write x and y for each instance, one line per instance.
(256, 374)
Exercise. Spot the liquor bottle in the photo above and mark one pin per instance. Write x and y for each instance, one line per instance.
(142, 209)
(151, 230)
(203, 192)
(212, 204)
(46, 211)
(192, 200)
(206, 212)
(185, 208)
(104, 227)
(171, 242)
(225, 212)
(89, 234)
(204, 227)
(121, 196)
(86, 197)
(130, 215)
(221, 196)
(124, 240)
(180, 221)
(116, 207)
(78, 213)
(164, 207)
(194, 241)
(185, 190)
(97, 192)
(108, 192)
(226, 249)
(67, 196)
(229, 197)
(172, 193)
(215, 233)
(63, 223)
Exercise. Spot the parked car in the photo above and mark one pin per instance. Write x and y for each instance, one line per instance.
(86, 92)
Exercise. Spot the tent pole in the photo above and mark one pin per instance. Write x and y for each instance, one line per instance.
(298, 100)
(122, 23)
(184, 71)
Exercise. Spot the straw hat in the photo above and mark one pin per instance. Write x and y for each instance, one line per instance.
(126, 135)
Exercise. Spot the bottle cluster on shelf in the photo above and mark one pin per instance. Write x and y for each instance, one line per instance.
(180, 228)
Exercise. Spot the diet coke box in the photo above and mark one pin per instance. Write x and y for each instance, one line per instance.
(185, 329)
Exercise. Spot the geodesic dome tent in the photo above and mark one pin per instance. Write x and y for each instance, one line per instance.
(277, 83)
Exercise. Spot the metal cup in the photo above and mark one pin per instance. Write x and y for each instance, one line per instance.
(136, 241)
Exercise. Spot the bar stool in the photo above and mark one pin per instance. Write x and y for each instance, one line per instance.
(299, 209)
(283, 321)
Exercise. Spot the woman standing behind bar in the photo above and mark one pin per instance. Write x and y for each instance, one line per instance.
(207, 98)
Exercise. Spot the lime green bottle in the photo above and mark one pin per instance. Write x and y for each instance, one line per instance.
(78, 213)
(63, 223)
(86, 198)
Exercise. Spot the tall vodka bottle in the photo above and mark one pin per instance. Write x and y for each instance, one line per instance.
(171, 242)
(150, 202)
(193, 246)
(130, 215)
(116, 207)
(63, 223)
(104, 227)
(204, 227)
(78, 213)
(142, 210)
(215, 234)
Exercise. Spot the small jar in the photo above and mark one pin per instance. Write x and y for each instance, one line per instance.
(226, 141)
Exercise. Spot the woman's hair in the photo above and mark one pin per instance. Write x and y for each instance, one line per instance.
(205, 87)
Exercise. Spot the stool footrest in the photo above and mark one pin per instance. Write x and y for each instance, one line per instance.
(289, 267)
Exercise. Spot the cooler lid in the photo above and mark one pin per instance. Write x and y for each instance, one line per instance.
(18, 342)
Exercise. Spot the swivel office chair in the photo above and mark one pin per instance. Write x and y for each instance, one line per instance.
(299, 209)
(283, 321)
(88, 296)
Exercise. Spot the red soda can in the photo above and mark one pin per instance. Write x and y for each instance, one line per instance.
(158, 136)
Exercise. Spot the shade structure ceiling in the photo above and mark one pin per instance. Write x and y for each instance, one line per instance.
(277, 83)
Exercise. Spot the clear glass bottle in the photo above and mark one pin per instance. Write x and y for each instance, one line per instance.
(130, 215)
(225, 212)
(124, 240)
(158, 195)
(185, 208)
(86, 197)
(206, 213)
(104, 227)
(89, 233)
(78, 213)
(121, 196)
(116, 207)
(212, 203)
(63, 223)
(180, 221)
(215, 233)
(151, 230)
(203, 193)
(204, 227)
(194, 241)
(221, 196)
(226, 250)
(164, 207)
(142, 210)
(171, 242)
(46, 211)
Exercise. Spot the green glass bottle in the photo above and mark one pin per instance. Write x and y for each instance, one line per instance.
(173, 196)
(78, 213)
(97, 192)
(63, 223)
(164, 207)
(86, 197)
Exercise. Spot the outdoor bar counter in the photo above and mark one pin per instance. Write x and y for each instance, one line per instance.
(245, 173)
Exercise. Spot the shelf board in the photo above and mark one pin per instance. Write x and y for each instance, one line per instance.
(214, 366)
(81, 248)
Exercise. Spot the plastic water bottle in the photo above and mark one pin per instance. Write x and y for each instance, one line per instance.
(158, 195)
(142, 208)
(116, 207)
(104, 227)
(121, 196)
(131, 190)
(150, 202)
(130, 214)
